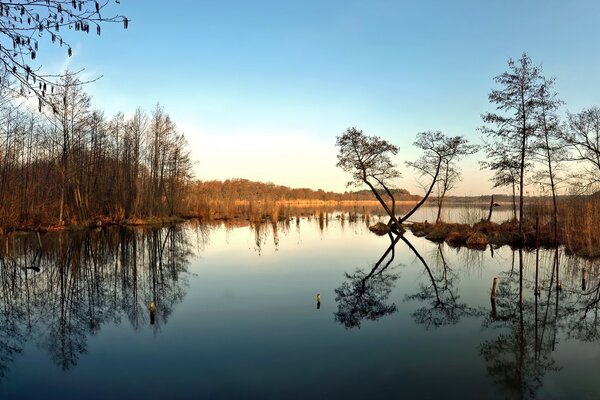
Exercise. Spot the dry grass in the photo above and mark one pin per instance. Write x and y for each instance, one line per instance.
(578, 228)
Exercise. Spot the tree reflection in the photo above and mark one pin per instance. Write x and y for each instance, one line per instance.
(440, 294)
(523, 329)
(521, 355)
(87, 279)
(363, 295)
(582, 306)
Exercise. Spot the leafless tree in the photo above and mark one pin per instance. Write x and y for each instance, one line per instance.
(501, 159)
(438, 162)
(582, 137)
(367, 159)
(517, 102)
(547, 144)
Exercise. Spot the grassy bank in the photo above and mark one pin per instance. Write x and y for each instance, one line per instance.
(479, 235)
(96, 223)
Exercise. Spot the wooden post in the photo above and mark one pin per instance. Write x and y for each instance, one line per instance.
(583, 279)
(152, 312)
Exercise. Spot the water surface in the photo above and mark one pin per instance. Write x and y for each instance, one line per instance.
(236, 315)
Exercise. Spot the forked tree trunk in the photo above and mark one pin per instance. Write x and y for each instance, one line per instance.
(420, 203)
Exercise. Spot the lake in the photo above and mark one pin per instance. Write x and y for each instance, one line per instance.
(229, 310)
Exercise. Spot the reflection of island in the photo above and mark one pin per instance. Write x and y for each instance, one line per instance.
(523, 332)
(364, 295)
(86, 279)
(440, 295)
(520, 356)
(530, 326)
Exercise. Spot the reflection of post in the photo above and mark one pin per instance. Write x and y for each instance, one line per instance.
(583, 279)
(537, 255)
(152, 312)
(493, 297)
(494, 288)
(318, 301)
(558, 283)
(520, 276)
(536, 347)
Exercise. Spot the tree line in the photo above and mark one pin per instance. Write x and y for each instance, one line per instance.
(247, 190)
(73, 164)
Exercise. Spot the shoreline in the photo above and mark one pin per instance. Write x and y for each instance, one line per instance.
(480, 234)
(96, 223)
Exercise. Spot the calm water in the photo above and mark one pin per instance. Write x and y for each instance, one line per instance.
(236, 316)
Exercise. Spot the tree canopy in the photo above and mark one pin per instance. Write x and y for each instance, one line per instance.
(368, 160)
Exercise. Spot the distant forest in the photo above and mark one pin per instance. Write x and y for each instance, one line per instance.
(246, 190)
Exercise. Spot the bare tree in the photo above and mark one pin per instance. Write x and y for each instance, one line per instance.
(501, 159)
(367, 159)
(451, 174)
(440, 154)
(518, 101)
(548, 141)
(72, 106)
(582, 137)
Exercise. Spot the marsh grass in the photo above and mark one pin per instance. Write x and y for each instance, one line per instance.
(578, 227)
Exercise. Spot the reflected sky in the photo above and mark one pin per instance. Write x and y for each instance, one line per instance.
(236, 315)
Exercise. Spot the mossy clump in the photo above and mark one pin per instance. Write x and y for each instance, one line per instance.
(420, 229)
(458, 237)
(380, 229)
(477, 240)
(486, 227)
(505, 233)
(439, 232)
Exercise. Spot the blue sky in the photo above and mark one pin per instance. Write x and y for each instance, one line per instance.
(261, 88)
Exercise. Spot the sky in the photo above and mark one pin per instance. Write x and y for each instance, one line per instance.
(261, 89)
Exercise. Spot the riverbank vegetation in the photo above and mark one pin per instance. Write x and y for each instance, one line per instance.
(75, 166)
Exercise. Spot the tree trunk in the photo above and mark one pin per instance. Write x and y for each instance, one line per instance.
(514, 199)
(381, 201)
(393, 210)
(521, 176)
(489, 218)
(420, 203)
